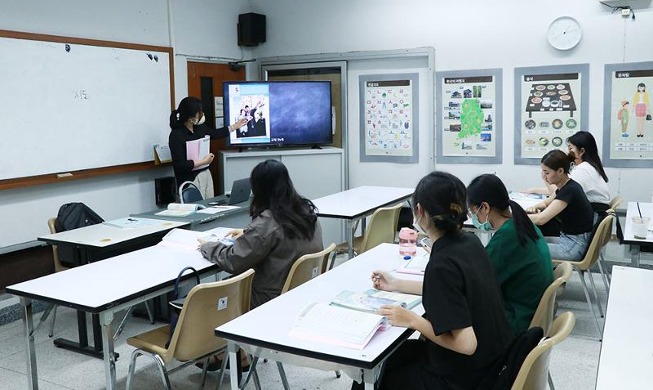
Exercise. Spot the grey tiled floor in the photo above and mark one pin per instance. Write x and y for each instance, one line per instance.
(573, 364)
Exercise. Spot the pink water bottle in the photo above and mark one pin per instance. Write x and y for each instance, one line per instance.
(407, 242)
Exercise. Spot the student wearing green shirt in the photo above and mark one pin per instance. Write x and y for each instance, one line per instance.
(517, 249)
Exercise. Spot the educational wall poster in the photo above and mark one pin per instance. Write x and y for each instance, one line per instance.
(628, 126)
(550, 106)
(468, 105)
(389, 130)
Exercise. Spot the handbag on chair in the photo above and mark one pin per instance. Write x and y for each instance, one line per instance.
(176, 302)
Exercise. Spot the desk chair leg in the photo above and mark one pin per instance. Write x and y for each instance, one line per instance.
(282, 374)
(551, 387)
(122, 323)
(589, 302)
(604, 271)
(596, 294)
(222, 370)
(250, 373)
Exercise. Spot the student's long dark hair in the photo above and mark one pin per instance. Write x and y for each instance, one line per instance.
(188, 108)
(443, 196)
(491, 190)
(585, 140)
(556, 159)
(273, 190)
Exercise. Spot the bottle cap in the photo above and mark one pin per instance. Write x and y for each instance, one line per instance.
(407, 257)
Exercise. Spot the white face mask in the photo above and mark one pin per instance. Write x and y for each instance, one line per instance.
(418, 227)
(202, 120)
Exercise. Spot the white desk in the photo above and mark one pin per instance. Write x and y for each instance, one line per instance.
(629, 237)
(93, 288)
(101, 241)
(357, 203)
(263, 332)
(626, 360)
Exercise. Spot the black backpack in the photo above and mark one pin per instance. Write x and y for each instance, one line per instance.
(505, 370)
(72, 216)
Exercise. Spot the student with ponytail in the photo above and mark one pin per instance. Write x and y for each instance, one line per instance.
(569, 205)
(464, 329)
(187, 124)
(517, 249)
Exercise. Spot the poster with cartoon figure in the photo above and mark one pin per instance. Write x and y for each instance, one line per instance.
(550, 106)
(467, 115)
(388, 118)
(627, 116)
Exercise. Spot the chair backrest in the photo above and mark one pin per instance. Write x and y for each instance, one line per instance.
(533, 373)
(382, 227)
(307, 267)
(545, 311)
(189, 193)
(615, 202)
(207, 306)
(600, 236)
(58, 267)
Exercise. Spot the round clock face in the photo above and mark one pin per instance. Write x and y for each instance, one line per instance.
(564, 33)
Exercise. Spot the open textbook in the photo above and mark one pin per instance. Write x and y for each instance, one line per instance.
(180, 209)
(349, 320)
(188, 240)
(371, 300)
(336, 325)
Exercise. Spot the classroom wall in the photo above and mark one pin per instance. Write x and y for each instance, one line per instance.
(474, 34)
(202, 28)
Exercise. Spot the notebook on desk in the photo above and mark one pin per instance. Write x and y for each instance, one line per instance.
(240, 191)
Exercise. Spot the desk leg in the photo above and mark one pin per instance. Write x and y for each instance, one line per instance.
(82, 346)
(232, 348)
(634, 255)
(369, 378)
(28, 322)
(105, 318)
(349, 227)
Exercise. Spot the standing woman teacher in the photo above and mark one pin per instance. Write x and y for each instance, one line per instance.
(187, 124)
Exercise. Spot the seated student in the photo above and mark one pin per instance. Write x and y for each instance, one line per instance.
(464, 327)
(570, 205)
(517, 249)
(284, 227)
(587, 171)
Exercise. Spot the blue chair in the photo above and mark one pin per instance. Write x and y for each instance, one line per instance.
(189, 193)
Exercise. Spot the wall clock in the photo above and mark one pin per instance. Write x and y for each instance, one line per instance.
(564, 33)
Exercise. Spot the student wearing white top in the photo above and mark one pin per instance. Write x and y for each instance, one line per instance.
(588, 170)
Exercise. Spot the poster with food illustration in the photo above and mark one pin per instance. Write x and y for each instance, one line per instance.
(467, 121)
(388, 113)
(628, 126)
(550, 106)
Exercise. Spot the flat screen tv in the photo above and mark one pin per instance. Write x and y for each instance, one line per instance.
(279, 113)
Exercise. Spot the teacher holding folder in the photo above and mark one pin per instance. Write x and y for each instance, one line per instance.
(187, 124)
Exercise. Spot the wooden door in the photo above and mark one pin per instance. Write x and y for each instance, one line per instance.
(205, 82)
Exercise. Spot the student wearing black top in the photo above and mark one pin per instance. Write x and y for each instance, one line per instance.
(187, 124)
(569, 205)
(464, 327)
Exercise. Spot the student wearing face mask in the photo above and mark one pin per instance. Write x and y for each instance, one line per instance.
(464, 328)
(187, 124)
(517, 249)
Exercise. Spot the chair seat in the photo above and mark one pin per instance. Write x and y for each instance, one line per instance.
(343, 247)
(153, 341)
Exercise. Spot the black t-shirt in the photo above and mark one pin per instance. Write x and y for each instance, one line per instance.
(177, 139)
(460, 290)
(578, 216)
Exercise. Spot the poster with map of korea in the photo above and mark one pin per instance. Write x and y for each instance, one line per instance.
(389, 113)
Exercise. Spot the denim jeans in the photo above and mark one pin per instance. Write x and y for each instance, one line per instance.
(569, 246)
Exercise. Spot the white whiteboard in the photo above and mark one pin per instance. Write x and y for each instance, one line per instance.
(71, 106)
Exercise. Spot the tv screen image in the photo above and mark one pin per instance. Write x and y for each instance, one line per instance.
(279, 113)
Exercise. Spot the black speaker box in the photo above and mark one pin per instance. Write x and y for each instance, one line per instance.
(165, 190)
(251, 29)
